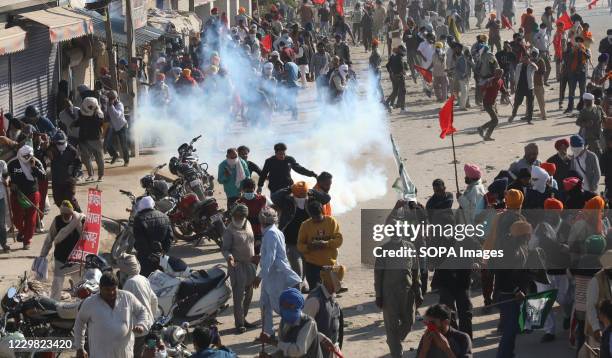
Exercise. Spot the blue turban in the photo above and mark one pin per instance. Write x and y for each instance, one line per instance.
(292, 296)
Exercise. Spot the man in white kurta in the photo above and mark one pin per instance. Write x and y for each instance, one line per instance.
(111, 318)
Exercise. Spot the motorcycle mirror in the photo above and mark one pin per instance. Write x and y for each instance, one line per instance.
(12, 292)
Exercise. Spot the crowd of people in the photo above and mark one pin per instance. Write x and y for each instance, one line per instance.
(287, 244)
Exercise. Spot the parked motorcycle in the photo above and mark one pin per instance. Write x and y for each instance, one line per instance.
(10, 334)
(195, 299)
(193, 174)
(165, 340)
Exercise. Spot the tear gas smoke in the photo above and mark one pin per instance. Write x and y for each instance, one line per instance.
(349, 139)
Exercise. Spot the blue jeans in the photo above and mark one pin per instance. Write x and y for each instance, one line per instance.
(508, 315)
(122, 135)
(577, 79)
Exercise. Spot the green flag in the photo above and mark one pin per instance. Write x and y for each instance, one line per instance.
(23, 201)
(535, 309)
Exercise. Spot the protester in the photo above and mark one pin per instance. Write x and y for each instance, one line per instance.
(561, 160)
(89, 123)
(585, 163)
(26, 173)
(471, 201)
(277, 170)
(396, 67)
(64, 233)
(150, 226)
(440, 339)
(204, 341)
(232, 171)
(65, 169)
(491, 87)
(140, 287)
(323, 306)
(118, 129)
(243, 153)
(111, 318)
(318, 241)
(397, 289)
(529, 159)
(239, 251)
(590, 120)
(524, 79)
(275, 274)
(324, 182)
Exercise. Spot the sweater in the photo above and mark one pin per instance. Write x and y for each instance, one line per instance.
(90, 127)
(327, 231)
(278, 172)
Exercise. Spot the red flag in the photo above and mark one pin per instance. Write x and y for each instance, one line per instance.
(446, 118)
(266, 42)
(318, 2)
(506, 24)
(567, 22)
(592, 3)
(340, 7)
(427, 76)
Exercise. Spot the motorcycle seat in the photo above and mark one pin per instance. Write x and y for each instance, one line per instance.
(64, 310)
(198, 284)
(68, 310)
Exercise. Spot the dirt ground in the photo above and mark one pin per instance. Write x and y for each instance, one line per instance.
(427, 157)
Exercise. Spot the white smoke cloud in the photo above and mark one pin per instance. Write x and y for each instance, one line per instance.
(349, 140)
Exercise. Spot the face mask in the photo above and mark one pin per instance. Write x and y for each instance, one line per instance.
(249, 196)
(232, 162)
(577, 150)
(290, 316)
(300, 202)
(238, 222)
(62, 147)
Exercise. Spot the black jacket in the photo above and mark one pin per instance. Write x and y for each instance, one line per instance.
(278, 173)
(284, 201)
(64, 166)
(90, 127)
(151, 225)
(24, 185)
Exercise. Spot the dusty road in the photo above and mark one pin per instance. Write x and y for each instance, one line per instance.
(428, 157)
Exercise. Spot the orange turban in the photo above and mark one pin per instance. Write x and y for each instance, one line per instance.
(299, 189)
(553, 204)
(550, 168)
(514, 199)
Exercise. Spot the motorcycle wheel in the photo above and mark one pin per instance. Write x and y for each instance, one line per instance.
(122, 244)
(186, 235)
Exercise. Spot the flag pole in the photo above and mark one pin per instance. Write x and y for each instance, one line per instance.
(455, 162)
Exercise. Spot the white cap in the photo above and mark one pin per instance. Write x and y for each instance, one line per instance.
(588, 96)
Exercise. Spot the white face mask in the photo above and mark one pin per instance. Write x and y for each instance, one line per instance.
(62, 147)
(300, 202)
(238, 222)
(577, 150)
(232, 162)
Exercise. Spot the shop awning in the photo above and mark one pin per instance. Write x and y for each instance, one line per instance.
(64, 24)
(143, 35)
(173, 22)
(12, 39)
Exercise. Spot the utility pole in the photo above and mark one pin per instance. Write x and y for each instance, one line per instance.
(110, 49)
(132, 85)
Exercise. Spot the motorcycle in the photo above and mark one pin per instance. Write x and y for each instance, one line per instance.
(10, 334)
(166, 340)
(124, 229)
(193, 175)
(159, 190)
(195, 299)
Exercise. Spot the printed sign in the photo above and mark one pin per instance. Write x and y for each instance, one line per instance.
(89, 242)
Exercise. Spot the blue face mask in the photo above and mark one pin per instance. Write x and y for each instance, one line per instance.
(249, 196)
(290, 316)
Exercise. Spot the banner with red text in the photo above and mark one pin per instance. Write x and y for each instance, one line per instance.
(90, 238)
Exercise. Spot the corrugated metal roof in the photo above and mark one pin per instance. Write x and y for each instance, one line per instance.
(143, 35)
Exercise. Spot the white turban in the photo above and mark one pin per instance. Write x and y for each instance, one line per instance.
(588, 96)
(128, 264)
(25, 165)
(146, 202)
